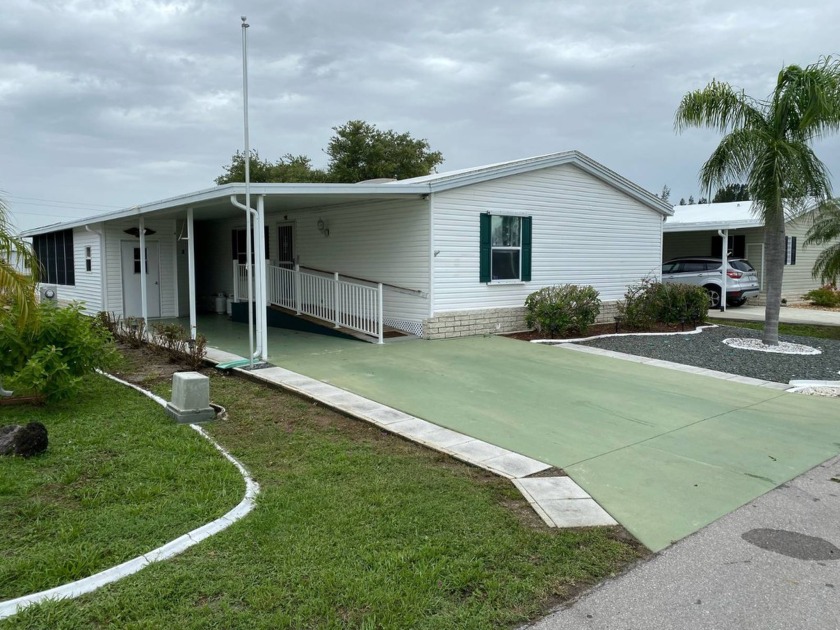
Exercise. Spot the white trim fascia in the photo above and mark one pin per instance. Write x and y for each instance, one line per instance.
(220, 193)
(712, 225)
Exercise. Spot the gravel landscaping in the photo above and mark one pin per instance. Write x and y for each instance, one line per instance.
(707, 350)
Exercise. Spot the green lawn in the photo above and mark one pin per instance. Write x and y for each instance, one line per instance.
(117, 480)
(803, 330)
(354, 528)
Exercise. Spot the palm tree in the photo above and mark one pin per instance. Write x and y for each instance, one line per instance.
(826, 229)
(767, 144)
(17, 287)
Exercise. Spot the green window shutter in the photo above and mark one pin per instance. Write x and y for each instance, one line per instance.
(484, 241)
(526, 249)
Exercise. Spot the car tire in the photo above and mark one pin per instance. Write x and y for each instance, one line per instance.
(714, 295)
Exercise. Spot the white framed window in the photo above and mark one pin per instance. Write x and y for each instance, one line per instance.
(88, 258)
(505, 248)
(505, 241)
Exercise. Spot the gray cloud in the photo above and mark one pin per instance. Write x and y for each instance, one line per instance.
(118, 102)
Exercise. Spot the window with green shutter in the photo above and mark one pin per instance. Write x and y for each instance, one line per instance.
(505, 243)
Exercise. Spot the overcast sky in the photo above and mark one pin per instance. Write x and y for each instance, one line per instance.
(105, 104)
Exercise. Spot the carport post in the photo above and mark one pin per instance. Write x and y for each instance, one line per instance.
(144, 309)
(724, 267)
(191, 268)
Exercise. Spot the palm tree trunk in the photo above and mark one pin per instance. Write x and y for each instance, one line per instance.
(774, 268)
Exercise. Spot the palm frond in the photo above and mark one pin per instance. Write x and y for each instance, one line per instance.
(719, 106)
(827, 265)
(733, 158)
(826, 225)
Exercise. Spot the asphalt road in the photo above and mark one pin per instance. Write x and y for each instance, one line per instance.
(773, 563)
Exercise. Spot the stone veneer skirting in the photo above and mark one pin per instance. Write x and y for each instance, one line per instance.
(490, 321)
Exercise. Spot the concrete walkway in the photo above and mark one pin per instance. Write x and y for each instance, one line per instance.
(774, 564)
(787, 314)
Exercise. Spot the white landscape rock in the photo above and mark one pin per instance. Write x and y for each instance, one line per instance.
(784, 347)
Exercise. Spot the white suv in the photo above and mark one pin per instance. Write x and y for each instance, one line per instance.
(703, 271)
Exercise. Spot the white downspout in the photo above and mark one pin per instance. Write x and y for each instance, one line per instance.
(191, 271)
(724, 234)
(144, 309)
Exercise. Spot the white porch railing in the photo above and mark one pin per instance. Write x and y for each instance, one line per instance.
(346, 303)
(241, 282)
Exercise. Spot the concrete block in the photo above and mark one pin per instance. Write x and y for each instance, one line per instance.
(190, 398)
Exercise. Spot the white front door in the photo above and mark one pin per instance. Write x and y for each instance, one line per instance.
(131, 279)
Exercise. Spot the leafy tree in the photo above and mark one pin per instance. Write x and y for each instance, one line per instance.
(826, 229)
(732, 192)
(702, 200)
(289, 168)
(691, 200)
(17, 286)
(682, 201)
(665, 195)
(767, 144)
(359, 151)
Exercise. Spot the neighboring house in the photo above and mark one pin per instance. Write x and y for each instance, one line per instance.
(445, 255)
(694, 231)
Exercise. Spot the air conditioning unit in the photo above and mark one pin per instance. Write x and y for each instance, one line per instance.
(49, 293)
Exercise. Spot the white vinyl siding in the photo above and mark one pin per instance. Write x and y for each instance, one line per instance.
(384, 242)
(797, 279)
(583, 232)
(165, 236)
(87, 286)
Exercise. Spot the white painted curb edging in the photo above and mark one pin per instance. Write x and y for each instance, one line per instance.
(170, 549)
(553, 342)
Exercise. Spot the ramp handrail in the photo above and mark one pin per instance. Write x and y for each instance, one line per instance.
(329, 297)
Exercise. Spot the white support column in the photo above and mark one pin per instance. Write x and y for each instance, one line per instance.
(144, 307)
(380, 314)
(191, 270)
(262, 291)
(724, 267)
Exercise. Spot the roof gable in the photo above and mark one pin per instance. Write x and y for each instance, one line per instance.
(465, 177)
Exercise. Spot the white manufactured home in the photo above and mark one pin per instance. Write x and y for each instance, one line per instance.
(696, 230)
(445, 255)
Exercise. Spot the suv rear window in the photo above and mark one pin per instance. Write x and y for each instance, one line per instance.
(741, 265)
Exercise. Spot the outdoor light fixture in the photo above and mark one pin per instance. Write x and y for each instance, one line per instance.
(135, 231)
(322, 228)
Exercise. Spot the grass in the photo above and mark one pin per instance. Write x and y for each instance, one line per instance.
(353, 528)
(802, 330)
(117, 480)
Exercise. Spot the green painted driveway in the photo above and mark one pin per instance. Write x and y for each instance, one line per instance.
(664, 452)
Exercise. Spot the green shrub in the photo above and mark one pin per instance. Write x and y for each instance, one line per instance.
(562, 309)
(824, 296)
(650, 303)
(50, 353)
(175, 341)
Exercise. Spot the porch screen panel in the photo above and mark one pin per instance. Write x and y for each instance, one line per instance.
(55, 257)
